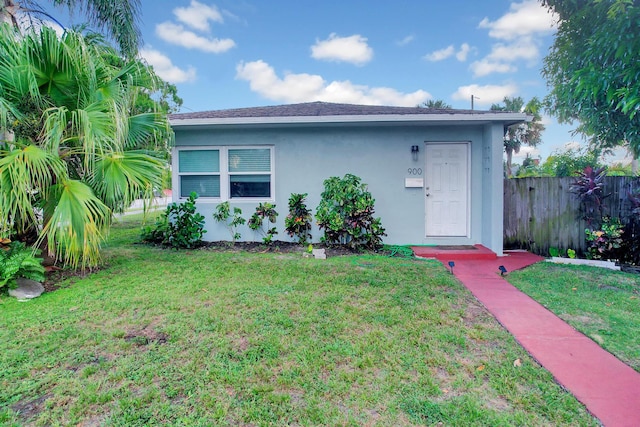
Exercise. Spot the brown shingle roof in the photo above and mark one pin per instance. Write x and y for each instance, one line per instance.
(316, 109)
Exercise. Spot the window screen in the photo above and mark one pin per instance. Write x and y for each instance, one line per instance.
(250, 160)
(199, 161)
(203, 185)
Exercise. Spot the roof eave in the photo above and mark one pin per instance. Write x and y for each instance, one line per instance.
(505, 118)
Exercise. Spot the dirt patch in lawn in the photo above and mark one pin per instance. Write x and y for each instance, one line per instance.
(30, 408)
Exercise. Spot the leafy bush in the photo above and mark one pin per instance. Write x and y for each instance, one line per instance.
(298, 222)
(179, 226)
(16, 260)
(346, 212)
(257, 221)
(223, 214)
(606, 242)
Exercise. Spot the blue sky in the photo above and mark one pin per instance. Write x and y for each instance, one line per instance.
(245, 53)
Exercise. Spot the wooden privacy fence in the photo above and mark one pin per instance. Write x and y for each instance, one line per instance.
(540, 213)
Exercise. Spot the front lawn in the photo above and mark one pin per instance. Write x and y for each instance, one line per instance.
(201, 337)
(602, 304)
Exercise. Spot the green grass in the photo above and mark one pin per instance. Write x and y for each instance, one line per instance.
(162, 337)
(603, 304)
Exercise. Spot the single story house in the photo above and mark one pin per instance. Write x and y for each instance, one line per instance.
(436, 175)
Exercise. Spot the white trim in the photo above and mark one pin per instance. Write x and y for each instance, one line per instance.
(379, 118)
(224, 173)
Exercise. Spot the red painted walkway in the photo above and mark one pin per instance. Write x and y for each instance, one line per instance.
(607, 387)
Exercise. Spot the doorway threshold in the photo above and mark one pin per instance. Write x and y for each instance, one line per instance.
(454, 252)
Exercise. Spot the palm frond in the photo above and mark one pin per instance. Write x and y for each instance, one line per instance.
(120, 178)
(25, 174)
(144, 127)
(76, 224)
(119, 17)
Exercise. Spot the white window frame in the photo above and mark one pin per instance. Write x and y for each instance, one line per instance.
(224, 173)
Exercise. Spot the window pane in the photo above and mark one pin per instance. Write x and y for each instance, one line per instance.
(250, 160)
(198, 161)
(250, 185)
(204, 185)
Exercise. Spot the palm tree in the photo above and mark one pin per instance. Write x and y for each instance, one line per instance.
(437, 104)
(119, 18)
(529, 133)
(70, 162)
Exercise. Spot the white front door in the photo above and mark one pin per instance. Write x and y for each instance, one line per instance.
(447, 189)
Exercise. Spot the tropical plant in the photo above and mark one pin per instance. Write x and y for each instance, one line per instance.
(592, 69)
(606, 242)
(588, 186)
(436, 104)
(346, 213)
(298, 221)
(572, 161)
(223, 214)
(529, 133)
(68, 161)
(264, 211)
(179, 226)
(119, 18)
(16, 260)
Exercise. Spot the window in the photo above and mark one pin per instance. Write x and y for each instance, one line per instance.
(199, 171)
(250, 173)
(226, 172)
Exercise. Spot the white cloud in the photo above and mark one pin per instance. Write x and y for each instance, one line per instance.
(525, 150)
(462, 54)
(198, 15)
(405, 41)
(485, 95)
(523, 48)
(503, 55)
(449, 51)
(353, 49)
(523, 19)
(518, 31)
(485, 66)
(166, 69)
(178, 35)
(310, 87)
(440, 55)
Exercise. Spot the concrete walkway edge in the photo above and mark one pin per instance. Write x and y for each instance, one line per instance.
(606, 386)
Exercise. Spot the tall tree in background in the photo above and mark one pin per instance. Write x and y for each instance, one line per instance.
(593, 70)
(437, 104)
(529, 133)
(118, 18)
(72, 159)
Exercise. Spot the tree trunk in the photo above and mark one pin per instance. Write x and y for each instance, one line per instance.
(8, 12)
(509, 152)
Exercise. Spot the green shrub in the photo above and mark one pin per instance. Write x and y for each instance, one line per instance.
(346, 212)
(605, 243)
(223, 214)
(179, 226)
(298, 222)
(16, 260)
(264, 211)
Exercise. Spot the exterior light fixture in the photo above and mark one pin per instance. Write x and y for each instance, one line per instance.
(503, 270)
(451, 265)
(414, 152)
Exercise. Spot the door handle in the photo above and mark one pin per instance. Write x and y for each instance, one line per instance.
(428, 194)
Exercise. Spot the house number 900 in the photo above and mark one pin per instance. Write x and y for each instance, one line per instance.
(414, 171)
